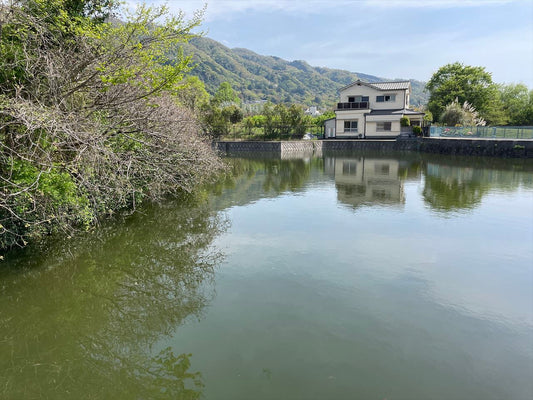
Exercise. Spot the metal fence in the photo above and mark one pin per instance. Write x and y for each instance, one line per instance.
(272, 132)
(489, 132)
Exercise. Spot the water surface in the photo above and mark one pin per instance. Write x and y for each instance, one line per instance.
(341, 277)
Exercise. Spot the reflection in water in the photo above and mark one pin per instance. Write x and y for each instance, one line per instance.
(364, 180)
(87, 317)
(79, 322)
(251, 179)
(450, 186)
(375, 179)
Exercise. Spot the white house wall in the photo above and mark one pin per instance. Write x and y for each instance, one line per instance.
(329, 127)
(342, 116)
(371, 129)
(362, 90)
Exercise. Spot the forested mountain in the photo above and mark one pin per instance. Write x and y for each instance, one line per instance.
(257, 77)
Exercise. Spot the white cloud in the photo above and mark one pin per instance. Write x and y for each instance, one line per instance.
(387, 42)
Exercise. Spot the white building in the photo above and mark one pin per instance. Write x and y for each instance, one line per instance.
(312, 111)
(372, 110)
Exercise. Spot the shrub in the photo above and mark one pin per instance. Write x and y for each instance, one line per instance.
(89, 121)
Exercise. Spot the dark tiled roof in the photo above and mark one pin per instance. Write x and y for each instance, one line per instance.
(396, 85)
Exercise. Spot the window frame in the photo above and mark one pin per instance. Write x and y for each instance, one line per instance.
(383, 129)
(386, 98)
(358, 99)
(350, 129)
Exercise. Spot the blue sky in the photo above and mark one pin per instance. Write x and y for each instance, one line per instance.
(387, 38)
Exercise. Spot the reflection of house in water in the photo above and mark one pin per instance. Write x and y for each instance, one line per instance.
(364, 180)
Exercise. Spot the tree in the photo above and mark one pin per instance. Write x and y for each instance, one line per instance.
(233, 113)
(517, 103)
(319, 120)
(192, 94)
(464, 83)
(225, 95)
(88, 117)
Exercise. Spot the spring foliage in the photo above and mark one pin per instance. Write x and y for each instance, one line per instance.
(89, 116)
(466, 115)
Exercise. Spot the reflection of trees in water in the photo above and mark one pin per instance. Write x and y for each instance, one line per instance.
(283, 175)
(82, 322)
(251, 179)
(452, 194)
(82, 319)
(460, 184)
(451, 183)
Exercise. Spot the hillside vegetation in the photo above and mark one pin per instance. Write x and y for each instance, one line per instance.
(257, 77)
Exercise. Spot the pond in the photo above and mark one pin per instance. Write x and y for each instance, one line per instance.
(346, 276)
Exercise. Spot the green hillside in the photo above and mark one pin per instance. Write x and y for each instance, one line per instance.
(257, 77)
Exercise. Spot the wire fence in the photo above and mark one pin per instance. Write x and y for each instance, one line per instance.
(271, 132)
(489, 132)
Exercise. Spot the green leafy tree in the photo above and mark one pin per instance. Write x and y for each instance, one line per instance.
(517, 103)
(319, 120)
(192, 94)
(233, 113)
(464, 83)
(225, 95)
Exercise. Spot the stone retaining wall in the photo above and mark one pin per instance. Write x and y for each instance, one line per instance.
(459, 146)
(507, 148)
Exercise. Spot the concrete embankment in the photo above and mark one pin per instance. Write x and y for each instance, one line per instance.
(507, 148)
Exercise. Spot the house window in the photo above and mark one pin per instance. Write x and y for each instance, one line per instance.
(386, 98)
(357, 99)
(349, 168)
(380, 194)
(382, 169)
(383, 126)
(350, 126)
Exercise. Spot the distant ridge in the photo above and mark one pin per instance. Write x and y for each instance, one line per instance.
(257, 77)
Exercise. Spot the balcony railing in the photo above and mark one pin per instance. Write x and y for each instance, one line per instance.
(357, 105)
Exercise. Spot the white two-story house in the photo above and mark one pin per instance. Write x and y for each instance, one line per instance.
(372, 110)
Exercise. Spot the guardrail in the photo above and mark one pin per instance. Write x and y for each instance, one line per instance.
(353, 105)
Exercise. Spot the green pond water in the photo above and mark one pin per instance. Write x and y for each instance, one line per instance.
(347, 276)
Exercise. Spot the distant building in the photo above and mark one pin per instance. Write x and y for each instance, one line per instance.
(312, 111)
(372, 110)
(253, 106)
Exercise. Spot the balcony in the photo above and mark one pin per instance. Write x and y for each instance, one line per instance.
(357, 105)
